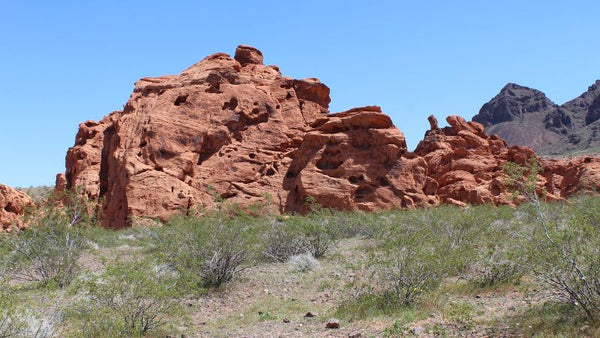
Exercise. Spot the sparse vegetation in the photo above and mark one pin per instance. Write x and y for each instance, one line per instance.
(129, 299)
(46, 253)
(11, 321)
(208, 252)
(428, 271)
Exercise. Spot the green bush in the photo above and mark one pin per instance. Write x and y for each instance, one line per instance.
(501, 254)
(46, 253)
(564, 249)
(282, 241)
(566, 254)
(206, 252)
(405, 277)
(314, 234)
(12, 323)
(129, 299)
(319, 234)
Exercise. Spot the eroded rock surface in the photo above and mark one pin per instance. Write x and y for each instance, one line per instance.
(356, 160)
(222, 129)
(466, 166)
(236, 130)
(12, 207)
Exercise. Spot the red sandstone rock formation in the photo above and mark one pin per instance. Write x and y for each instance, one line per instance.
(12, 207)
(222, 127)
(565, 177)
(234, 129)
(467, 166)
(357, 160)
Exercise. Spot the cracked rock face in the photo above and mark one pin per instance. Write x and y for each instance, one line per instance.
(234, 129)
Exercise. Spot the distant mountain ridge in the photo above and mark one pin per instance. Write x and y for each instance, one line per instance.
(525, 116)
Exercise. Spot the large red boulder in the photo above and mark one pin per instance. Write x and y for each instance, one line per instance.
(223, 129)
(12, 207)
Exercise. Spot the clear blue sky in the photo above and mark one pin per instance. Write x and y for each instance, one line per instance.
(64, 62)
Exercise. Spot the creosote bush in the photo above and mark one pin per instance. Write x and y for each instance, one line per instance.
(404, 279)
(46, 253)
(282, 241)
(497, 265)
(11, 320)
(565, 250)
(206, 252)
(315, 234)
(129, 299)
(566, 258)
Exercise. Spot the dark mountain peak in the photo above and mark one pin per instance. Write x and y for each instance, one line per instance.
(586, 98)
(525, 116)
(587, 105)
(513, 86)
(513, 89)
(512, 102)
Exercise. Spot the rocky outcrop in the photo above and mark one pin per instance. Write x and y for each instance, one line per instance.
(566, 177)
(356, 160)
(466, 166)
(525, 116)
(221, 130)
(587, 105)
(12, 207)
(235, 130)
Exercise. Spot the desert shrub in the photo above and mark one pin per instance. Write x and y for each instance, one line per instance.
(495, 268)
(319, 235)
(447, 233)
(206, 252)
(222, 264)
(501, 253)
(128, 299)
(403, 279)
(282, 241)
(409, 263)
(355, 224)
(565, 250)
(416, 250)
(304, 262)
(11, 320)
(46, 252)
(315, 234)
(585, 212)
(79, 209)
(566, 259)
